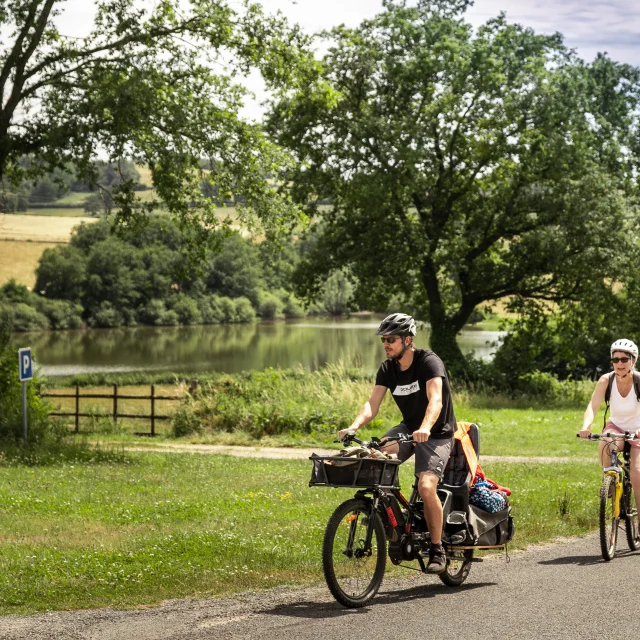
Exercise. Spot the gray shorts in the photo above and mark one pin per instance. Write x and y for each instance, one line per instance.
(431, 456)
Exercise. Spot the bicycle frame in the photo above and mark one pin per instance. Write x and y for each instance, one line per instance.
(621, 474)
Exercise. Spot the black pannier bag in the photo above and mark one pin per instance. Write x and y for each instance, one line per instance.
(491, 529)
(334, 471)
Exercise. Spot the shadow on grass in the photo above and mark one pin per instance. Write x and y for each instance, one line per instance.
(314, 610)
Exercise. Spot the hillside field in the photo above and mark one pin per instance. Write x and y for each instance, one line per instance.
(19, 260)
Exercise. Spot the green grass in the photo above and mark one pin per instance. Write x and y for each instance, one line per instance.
(302, 408)
(77, 535)
(73, 197)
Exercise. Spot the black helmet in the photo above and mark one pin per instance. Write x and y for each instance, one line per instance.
(397, 324)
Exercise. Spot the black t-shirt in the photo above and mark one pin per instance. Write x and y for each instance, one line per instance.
(409, 390)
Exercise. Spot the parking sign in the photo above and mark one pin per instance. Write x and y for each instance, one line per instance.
(25, 364)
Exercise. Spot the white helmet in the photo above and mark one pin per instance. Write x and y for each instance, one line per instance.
(625, 345)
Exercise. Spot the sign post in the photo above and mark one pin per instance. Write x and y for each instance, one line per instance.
(25, 370)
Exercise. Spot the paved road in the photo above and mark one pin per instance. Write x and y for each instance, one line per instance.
(558, 591)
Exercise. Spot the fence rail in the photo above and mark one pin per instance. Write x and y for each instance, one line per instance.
(115, 413)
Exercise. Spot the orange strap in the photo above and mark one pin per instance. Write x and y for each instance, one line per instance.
(462, 435)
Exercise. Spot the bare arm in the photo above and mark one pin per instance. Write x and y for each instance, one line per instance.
(594, 404)
(434, 395)
(369, 410)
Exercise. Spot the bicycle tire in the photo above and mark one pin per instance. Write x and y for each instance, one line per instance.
(631, 517)
(352, 575)
(458, 567)
(608, 524)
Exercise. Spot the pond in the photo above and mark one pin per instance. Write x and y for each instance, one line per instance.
(312, 343)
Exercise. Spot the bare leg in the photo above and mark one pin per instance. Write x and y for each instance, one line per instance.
(428, 489)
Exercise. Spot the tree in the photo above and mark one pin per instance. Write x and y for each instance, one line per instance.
(155, 85)
(463, 167)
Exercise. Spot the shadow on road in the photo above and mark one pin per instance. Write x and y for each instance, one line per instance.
(587, 560)
(335, 610)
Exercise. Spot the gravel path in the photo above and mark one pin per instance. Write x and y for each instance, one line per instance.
(290, 453)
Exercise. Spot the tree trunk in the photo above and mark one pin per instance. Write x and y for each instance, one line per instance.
(443, 342)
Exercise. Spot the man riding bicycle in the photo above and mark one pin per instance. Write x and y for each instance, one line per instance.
(625, 409)
(420, 387)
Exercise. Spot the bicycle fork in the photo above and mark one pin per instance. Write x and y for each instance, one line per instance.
(614, 472)
(352, 547)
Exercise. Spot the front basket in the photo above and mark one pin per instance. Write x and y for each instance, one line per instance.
(335, 471)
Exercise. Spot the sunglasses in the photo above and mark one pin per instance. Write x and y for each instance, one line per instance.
(390, 340)
(623, 360)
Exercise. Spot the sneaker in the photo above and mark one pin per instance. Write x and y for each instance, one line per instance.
(437, 560)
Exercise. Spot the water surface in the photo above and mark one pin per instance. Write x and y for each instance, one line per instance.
(223, 348)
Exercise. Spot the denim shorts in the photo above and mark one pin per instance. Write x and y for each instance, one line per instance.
(431, 456)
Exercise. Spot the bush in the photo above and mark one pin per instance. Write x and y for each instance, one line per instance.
(244, 310)
(185, 422)
(292, 307)
(11, 394)
(186, 310)
(106, 316)
(270, 307)
(62, 314)
(23, 317)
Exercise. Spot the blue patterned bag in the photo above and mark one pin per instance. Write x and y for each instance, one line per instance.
(483, 497)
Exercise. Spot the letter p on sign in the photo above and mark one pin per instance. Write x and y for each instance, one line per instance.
(25, 364)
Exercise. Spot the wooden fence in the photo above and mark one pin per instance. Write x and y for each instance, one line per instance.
(114, 413)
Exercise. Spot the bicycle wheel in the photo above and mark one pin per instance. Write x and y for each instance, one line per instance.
(458, 567)
(608, 524)
(353, 573)
(631, 517)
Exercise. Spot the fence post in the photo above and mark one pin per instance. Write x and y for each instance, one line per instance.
(153, 409)
(115, 403)
(77, 408)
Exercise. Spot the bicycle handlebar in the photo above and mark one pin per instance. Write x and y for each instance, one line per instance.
(375, 443)
(597, 436)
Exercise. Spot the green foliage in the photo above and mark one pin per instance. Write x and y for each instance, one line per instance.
(462, 166)
(61, 273)
(270, 306)
(99, 204)
(131, 90)
(11, 393)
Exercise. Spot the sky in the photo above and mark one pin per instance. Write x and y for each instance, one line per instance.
(589, 26)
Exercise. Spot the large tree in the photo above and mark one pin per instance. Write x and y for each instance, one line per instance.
(463, 166)
(159, 82)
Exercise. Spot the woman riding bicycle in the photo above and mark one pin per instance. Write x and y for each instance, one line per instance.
(625, 409)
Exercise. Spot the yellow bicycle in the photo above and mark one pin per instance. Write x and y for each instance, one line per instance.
(617, 501)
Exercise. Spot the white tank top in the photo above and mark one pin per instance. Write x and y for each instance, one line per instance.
(625, 412)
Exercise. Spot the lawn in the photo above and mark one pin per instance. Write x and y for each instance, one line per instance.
(156, 526)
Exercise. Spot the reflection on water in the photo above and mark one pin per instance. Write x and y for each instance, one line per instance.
(227, 348)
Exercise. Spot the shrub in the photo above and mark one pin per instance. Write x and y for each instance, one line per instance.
(23, 317)
(106, 315)
(292, 307)
(11, 393)
(228, 309)
(186, 309)
(62, 314)
(244, 310)
(270, 307)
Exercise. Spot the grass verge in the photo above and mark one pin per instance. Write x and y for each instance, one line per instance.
(152, 526)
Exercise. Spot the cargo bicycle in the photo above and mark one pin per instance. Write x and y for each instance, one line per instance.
(617, 501)
(380, 520)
